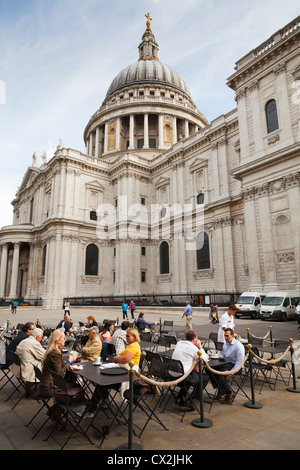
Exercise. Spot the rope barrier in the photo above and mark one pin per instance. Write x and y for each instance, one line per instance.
(272, 361)
(214, 371)
(166, 384)
(260, 337)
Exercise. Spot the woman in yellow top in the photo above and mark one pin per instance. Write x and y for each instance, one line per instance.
(132, 352)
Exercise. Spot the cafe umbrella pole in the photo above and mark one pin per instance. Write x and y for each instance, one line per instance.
(130, 445)
(201, 422)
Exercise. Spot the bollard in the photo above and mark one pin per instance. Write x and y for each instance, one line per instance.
(201, 422)
(130, 445)
(271, 335)
(294, 388)
(252, 403)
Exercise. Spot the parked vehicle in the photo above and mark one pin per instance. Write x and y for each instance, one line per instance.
(279, 306)
(249, 304)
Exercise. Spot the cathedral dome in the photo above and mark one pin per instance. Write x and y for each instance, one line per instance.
(146, 72)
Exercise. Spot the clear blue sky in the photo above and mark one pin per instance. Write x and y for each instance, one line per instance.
(58, 58)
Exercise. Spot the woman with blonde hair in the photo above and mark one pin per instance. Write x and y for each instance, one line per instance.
(132, 352)
(53, 361)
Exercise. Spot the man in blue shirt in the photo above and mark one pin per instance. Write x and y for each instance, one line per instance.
(234, 350)
(188, 314)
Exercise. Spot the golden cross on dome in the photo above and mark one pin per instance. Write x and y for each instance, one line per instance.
(148, 22)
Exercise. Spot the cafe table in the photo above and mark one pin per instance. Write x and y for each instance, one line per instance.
(109, 378)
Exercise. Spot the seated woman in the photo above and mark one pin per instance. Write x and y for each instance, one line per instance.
(143, 325)
(105, 332)
(53, 360)
(132, 352)
(91, 321)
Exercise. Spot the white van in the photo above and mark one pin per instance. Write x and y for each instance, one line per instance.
(249, 304)
(279, 305)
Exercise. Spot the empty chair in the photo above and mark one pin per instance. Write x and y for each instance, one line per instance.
(167, 327)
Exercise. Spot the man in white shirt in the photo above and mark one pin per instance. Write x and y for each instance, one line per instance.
(187, 353)
(226, 321)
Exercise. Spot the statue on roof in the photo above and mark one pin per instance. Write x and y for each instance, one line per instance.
(148, 22)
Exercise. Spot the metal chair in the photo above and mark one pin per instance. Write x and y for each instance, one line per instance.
(69, 412)
(149, 402)
(39, 398)
(167, 327)
(21, 382)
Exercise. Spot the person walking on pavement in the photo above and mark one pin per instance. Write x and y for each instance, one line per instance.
(188, 314)
(124, 309)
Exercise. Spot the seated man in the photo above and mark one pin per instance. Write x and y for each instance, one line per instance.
(66, 324)
(118, 339)
(31, 354)
(93, 347)
(186, 352)
(143, 325)
(23, 334)
(234, 350)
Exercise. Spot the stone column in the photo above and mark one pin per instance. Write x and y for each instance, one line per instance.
(243, 123)
(97, 142)
(174, 130)
(15, 271)
(3, 269)
(283, 105)
(91, 144)
(105, 137)
(267, 244)
(252, 250)
(118, 130)
(146, 131)
(256, 116)
(131, 131)
(186, 129)
(160, 131)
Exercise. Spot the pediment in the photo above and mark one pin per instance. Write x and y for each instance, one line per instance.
(198, 163)
(95, 186)
(162, 182)
(28, 179)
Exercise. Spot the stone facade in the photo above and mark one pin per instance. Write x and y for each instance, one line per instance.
(163, 201)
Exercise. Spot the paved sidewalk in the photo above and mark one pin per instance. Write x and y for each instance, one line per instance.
(276, 426)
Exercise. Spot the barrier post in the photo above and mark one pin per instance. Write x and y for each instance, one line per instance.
(271, 333)
(201, 422)
(252, 403)
(294, 388)
(130, 445)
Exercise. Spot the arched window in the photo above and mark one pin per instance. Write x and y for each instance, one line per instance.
(271, 116)
(44, 260)
(164, 258)
(91, 260)
(203, 260)
(200, 198)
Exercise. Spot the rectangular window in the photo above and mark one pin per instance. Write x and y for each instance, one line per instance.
(143, 276)
(140, 143)
(143, 250)
(152, 143)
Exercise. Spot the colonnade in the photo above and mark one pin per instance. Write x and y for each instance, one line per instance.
(14, 271)
(97, 142)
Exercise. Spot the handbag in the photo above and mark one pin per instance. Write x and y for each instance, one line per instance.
(140, 387)
(74, 394)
